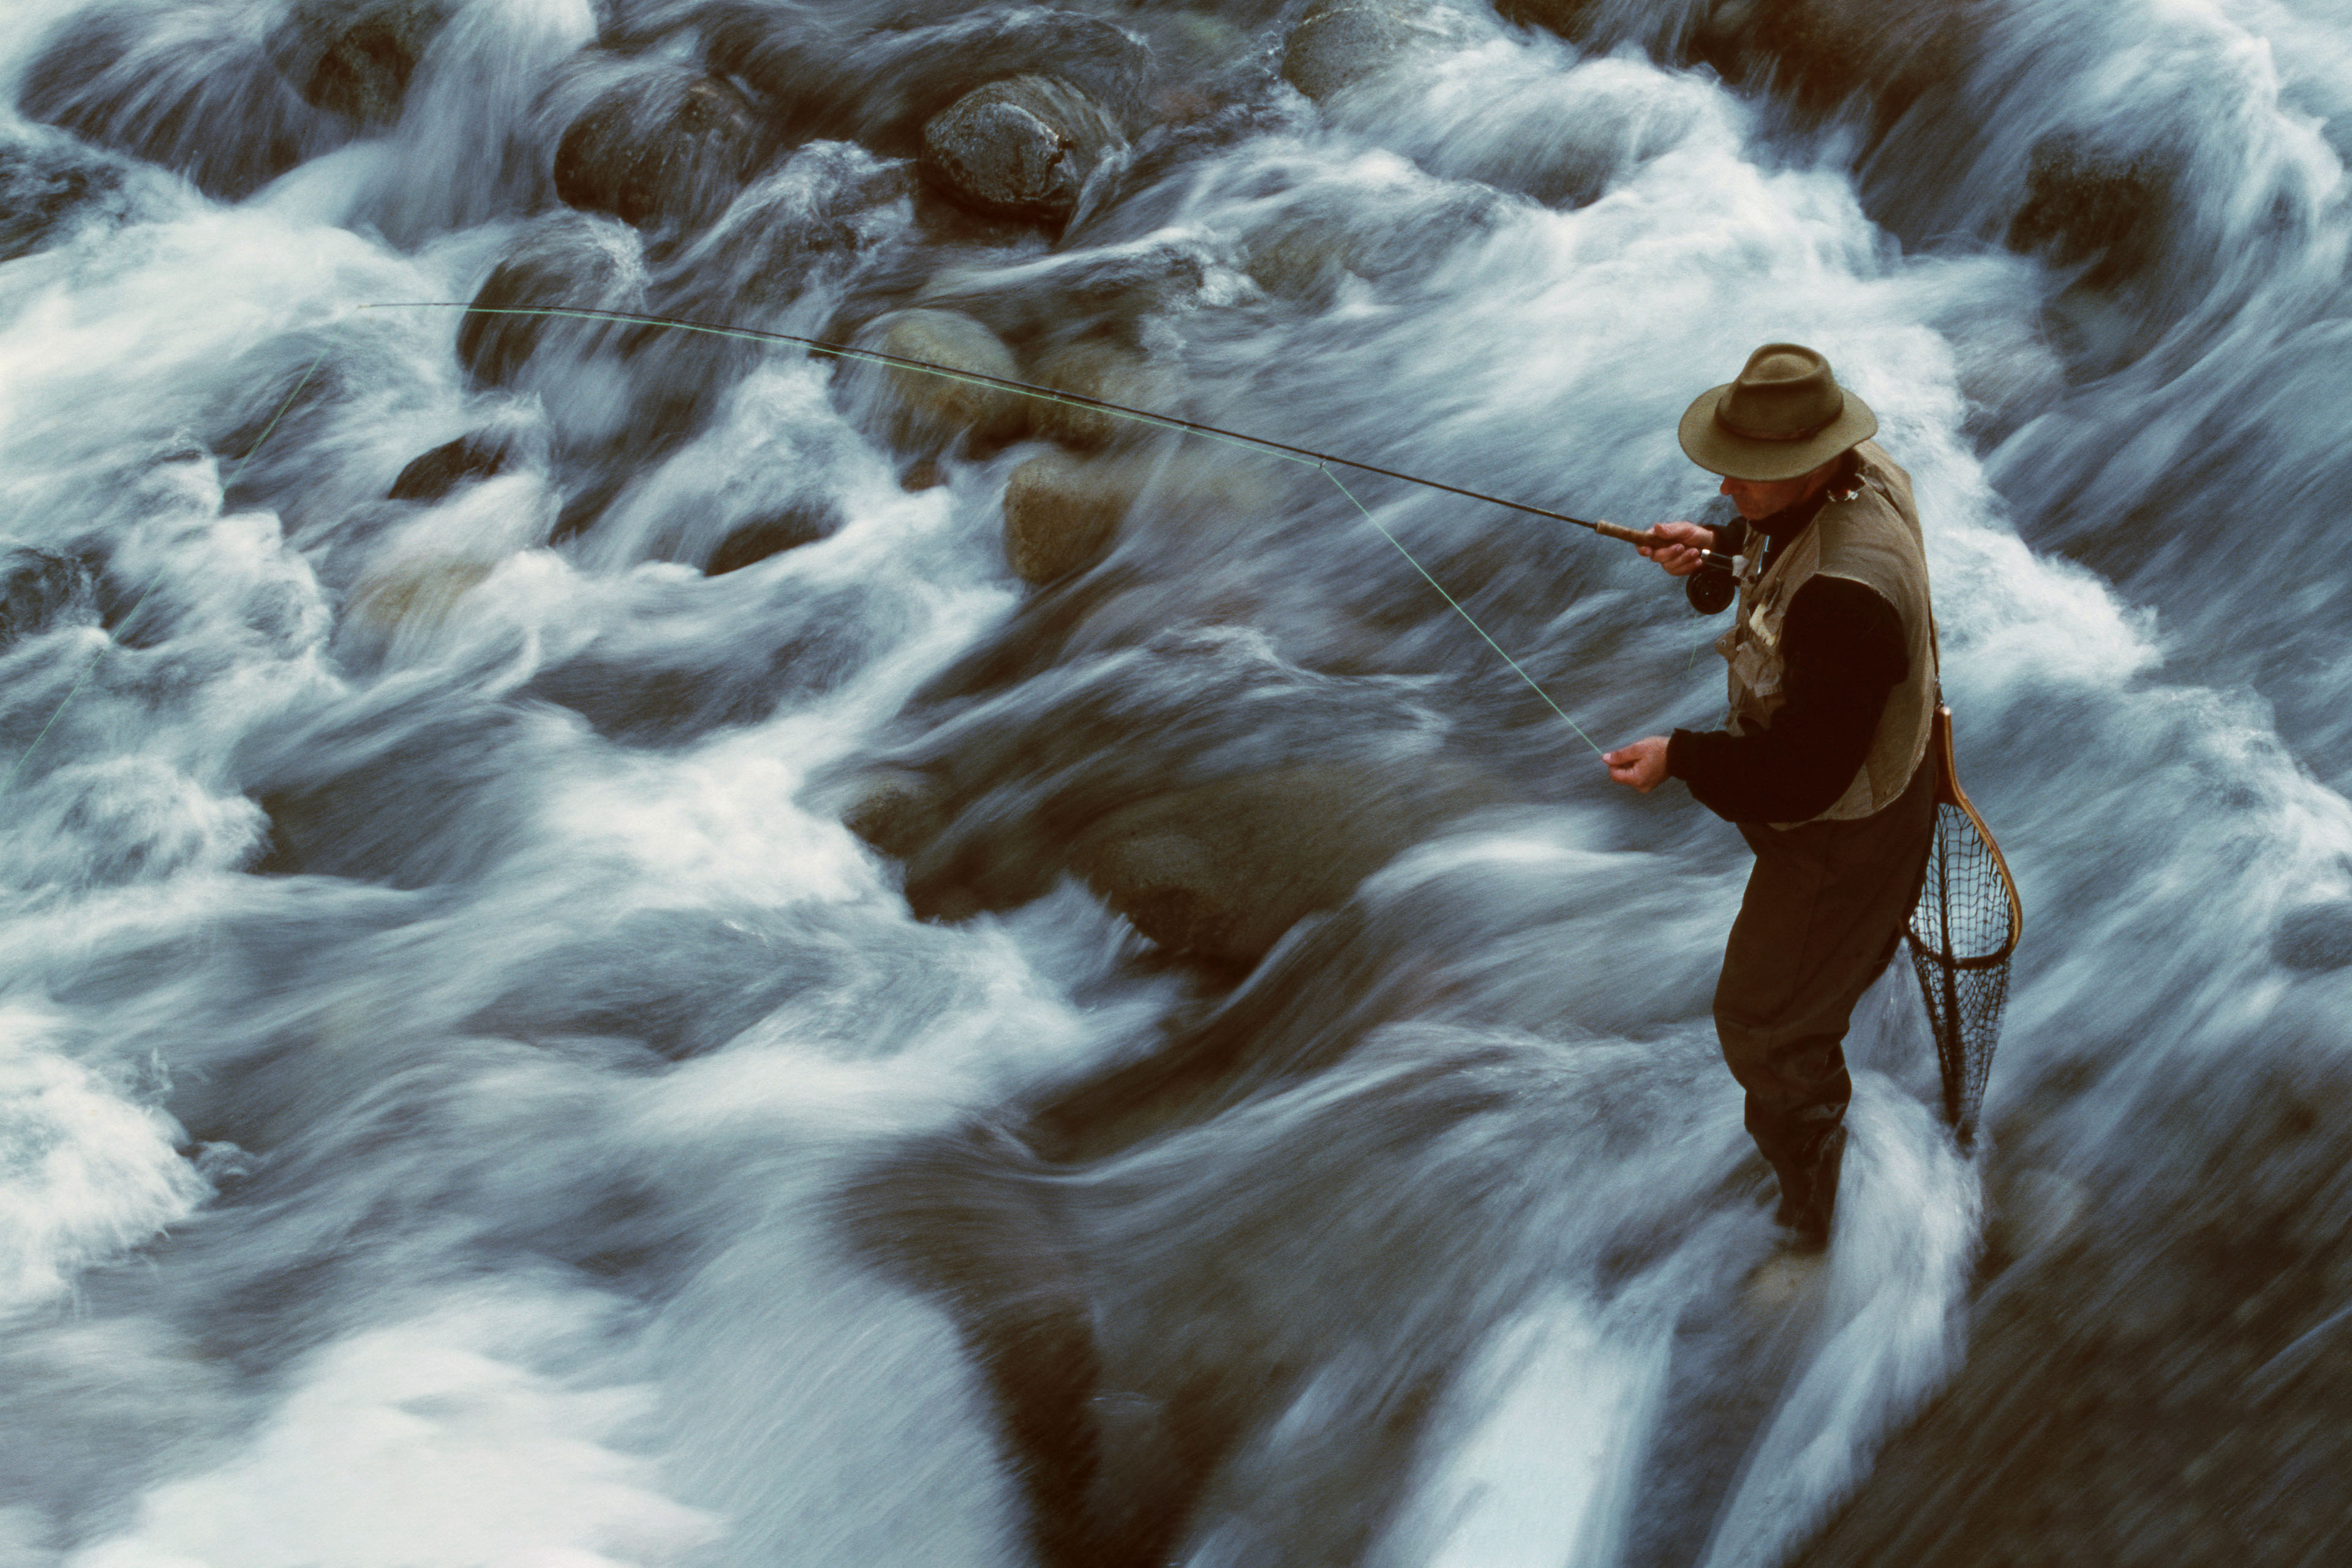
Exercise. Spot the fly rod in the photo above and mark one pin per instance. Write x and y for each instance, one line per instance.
(877, 356)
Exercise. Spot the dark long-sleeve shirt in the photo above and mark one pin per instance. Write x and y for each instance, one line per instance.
(1843, 650)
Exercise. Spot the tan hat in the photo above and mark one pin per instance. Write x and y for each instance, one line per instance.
(1784, 416)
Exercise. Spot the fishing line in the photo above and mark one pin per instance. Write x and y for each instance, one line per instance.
(226, 485)
(1319, 461)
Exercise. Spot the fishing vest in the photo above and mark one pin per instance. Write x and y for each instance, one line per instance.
(1869, 535)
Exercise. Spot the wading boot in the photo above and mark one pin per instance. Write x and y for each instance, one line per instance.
(1808, 1168)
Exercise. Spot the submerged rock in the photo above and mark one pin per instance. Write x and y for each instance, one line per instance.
(356, 61)
(666, 149)
(2089, 206)
(49, 190)
(1335, 46)
(923, 411)
(38, 587)
(2164, 1378)
(789, 528)
(192, 89)
(1104, 371)
(1223, 870)
(568, 261)
(2315, 937)
(1019, 149)
(1059, 512)
(435, 474)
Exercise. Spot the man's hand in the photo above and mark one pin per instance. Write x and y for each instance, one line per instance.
(1641, 764)
(1679, 547)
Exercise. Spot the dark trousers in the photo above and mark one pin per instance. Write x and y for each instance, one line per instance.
(1824, 910)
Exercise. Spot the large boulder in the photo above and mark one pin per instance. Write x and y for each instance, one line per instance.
(2102, 210)
(190, 87)
(923, 411)
(1109, 372)
(569, 261)
(1022, 148)
(1222, 869)
(1060, 511)
(50, 186)
(356, 60)
(666, 148)
(1336, 46)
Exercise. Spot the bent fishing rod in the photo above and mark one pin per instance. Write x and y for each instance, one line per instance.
(1708, 590)
(1711, 559)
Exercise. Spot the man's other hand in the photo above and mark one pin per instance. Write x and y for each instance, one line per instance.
(1679, 546)
(1641, 764)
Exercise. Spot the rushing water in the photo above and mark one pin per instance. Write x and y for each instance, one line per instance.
(450, 1037)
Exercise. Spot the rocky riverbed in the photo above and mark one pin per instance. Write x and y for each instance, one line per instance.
(626, 944)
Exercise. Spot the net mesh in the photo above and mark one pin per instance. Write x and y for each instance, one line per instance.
(1962, 932)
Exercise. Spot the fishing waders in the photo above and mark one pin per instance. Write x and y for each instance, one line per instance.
(1824, 912)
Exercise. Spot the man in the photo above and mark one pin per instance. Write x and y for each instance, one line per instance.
(1822, 766)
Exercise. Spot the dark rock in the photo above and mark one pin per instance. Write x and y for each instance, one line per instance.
(1223, 870)
(667, 148)
(896, 810)
(2315, 937)
(356, 61)
(2085, 207)
(1824, 53)
(434, 475)
(1338, 45)
(748, 544)
(1022, 148)
(567, 262)
(49, 190)
(881, 87)
(191, 88)
(38, 587)
(829, 203)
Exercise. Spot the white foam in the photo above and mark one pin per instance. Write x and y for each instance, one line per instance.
(86, 1173)
(434, 1440)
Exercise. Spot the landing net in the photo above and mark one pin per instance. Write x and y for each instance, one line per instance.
(1962, 933)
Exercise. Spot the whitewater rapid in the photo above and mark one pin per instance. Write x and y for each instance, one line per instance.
(444, 1008)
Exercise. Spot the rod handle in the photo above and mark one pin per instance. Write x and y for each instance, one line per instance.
(1630, 535)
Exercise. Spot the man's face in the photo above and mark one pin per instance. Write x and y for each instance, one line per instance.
(1762, 498)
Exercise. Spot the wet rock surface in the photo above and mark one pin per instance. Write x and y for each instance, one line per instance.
(2101, 210)
(922, 410)
(563, 263)
(435, 474)
(666, 148)
(1023, 148)
(205, 101)
(1223, 870)
(356, 61)
(49, 190)
(1335, 46)
(1060, 514)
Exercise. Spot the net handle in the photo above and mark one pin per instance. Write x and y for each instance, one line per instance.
(1950, 792)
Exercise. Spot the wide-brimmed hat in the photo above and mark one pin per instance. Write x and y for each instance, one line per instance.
(1784, 416)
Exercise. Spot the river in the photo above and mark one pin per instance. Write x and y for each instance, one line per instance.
(468, 1096)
